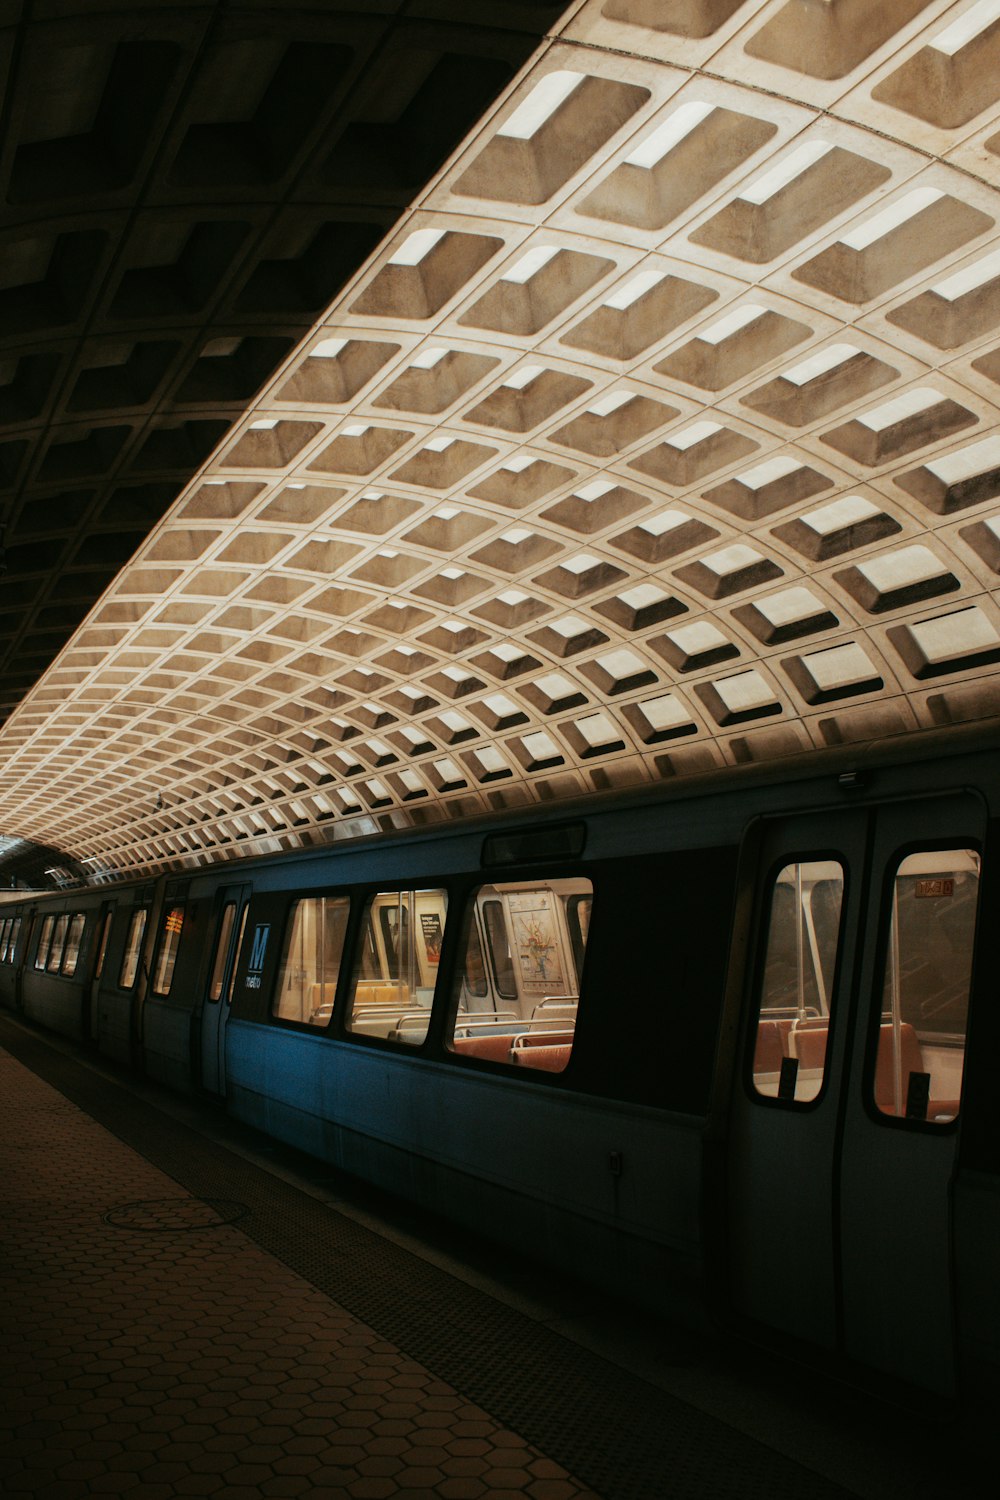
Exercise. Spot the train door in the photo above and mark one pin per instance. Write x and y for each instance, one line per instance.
(843, 1136)
(784, 1116)
(230, 922)
(898, 1152)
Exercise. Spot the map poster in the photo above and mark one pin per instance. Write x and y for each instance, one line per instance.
(537, 946)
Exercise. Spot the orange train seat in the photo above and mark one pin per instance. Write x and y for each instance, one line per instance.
(550, 1057)
(912, 1061)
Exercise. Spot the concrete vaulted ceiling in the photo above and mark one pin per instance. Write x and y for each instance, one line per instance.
(660, 433)
(183, 188)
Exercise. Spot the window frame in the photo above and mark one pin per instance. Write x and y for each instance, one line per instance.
(502, 994)
(755, 1010)
(137, 915)
(475, 932)
(58, 943)
(75, 917)
(579, 941)
(223, 938)
(44, 943)
(893, 863)
(168, 943)
(101, 951)
(338, 894)
(467, 917)
(241, 934)
(363, 927)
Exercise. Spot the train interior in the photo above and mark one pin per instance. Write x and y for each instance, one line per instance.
(520, 981)
(518, 985)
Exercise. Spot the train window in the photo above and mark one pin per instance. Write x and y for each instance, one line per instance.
(15, 932)
(222, 951)
(58, 940)
(170, 938)
(537, 935)
(793, 1018)
(925, 994)
(74, 937)
(102, 947)
(397, 971)
(133, 948)
(310, 964)
(44, 942)
(5, 939)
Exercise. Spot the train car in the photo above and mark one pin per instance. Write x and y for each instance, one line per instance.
(725, 1048)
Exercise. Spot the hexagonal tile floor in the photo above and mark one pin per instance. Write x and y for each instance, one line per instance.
(181, 1321)
(181, 1358)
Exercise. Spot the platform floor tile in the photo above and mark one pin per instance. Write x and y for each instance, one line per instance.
(152, 1348)
(186, 1313)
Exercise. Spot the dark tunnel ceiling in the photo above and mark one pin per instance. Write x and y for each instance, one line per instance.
(184, 189)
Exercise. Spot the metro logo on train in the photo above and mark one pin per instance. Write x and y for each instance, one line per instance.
(255, 967)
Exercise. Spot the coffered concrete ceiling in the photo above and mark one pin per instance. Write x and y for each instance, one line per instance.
(183, 188)
(660, 435)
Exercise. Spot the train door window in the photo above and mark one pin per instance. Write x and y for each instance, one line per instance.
(170, 938)
(396, 975)
(310, 963)
(102, 946)
(498, 942)
(222, 951)
(793, 1016)
(44, 942)
(5, 939)
(74, 937)
(236, 952)
(920, 1054)
(15, 933)
(539, 930)
(133, 948)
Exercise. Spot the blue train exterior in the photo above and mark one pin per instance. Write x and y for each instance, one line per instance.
(724, 1048)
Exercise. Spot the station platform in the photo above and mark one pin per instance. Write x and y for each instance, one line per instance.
(190, 1309)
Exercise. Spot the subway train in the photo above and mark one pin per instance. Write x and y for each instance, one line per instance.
(727, 1047)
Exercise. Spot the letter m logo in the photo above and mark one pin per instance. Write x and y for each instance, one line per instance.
(260, 934)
